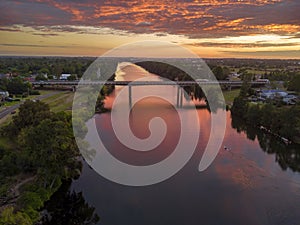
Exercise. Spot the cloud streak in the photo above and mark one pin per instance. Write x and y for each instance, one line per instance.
(243, 45)
(194, 19)
(204, 24)
(34, 46)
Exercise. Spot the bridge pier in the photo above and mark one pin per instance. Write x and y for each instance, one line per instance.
(179, 98)
(130, 96)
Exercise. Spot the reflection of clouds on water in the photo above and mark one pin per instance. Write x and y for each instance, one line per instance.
(274, 195)
(240, 171)
(129, 72)
(245, 172)
(239, 176)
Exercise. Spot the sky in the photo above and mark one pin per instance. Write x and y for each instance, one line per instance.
(209, 28)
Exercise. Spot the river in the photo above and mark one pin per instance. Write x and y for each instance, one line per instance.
(253, 180)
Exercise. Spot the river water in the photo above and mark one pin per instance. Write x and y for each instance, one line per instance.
(254, 180)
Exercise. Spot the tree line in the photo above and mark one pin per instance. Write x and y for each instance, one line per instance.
(26, 66)
(287, 156)
(15, 86)
(281, 120)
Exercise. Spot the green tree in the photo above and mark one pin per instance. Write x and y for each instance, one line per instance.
(99, 107)
(9, 217)
(267, 115)
(51, 147)
(31, 113)
(44, 71)
(4, 83)
(72, 77)
(246, 89)
(294, 84)
(254, 114)
(40, 77)
(17, 86)
(226, 72)
(239, 107)
(291, 124)
(219, 73)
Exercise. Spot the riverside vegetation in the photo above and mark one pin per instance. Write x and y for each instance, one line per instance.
(281, 120)
(43, 148)
(38, 153)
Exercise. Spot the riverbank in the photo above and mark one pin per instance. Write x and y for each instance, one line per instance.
(280, 121)
(26, 148)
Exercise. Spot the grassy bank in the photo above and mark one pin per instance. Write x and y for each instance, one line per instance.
(60, 102)
(229, 96)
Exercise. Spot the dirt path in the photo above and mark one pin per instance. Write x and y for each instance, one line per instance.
(15, 190)
(14, 193)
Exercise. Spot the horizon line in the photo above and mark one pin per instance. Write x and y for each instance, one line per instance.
(88, 56)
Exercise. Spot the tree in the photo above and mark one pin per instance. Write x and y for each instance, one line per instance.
(17, 86)
(291, 124)
(51, 147)
(9, 217)
(31, 114)
(40, 77)
(72, 77)
(226, 72)
(253, 115)
(246, 89)
(267, 115)
(239, 107)
(219, 73)
(44, 71)
(99, 107)
(3, 84)
(294, 84)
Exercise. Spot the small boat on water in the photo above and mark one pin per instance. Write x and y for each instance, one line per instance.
(226, 148)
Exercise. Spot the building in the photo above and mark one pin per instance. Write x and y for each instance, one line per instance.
(3, 94)
(290, 99)
(272, 94)
(64, 76)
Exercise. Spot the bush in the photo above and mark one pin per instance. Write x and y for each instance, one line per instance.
(9, 217)
(30, 200)
(34, 92)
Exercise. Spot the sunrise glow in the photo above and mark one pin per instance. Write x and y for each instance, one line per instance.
(215, 28)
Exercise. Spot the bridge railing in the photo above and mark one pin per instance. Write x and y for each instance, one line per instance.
(137, 83)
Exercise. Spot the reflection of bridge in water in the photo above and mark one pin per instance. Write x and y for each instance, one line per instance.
(227, 84)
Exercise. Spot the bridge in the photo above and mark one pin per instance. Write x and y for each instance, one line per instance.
(143, 83)
(227, 84)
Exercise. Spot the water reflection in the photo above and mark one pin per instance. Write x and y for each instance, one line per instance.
(67, 207)
(287, 156)
(243, 185)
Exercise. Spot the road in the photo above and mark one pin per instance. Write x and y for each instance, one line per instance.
(7, 111)
(143, 83)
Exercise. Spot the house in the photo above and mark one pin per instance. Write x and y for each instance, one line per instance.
(290, 99)
(273, 93)
(64, 76)
(3, 94)
(263, 80)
